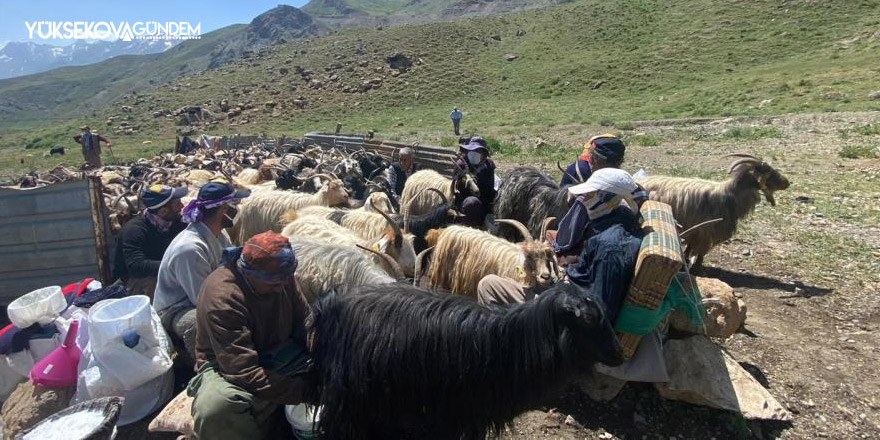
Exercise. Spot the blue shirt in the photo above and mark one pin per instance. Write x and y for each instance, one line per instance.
(455, 115)
(572, 170)
(606, 265)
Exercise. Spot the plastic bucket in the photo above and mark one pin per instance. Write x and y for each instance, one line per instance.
(40, 306)
(303, 419)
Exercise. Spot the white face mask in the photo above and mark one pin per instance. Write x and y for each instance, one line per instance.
(475, 158)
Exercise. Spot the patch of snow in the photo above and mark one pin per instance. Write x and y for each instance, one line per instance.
(5, 58)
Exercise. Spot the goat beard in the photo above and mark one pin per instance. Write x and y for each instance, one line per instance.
(768, 194)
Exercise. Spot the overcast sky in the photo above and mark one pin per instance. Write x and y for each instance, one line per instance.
(212, 14)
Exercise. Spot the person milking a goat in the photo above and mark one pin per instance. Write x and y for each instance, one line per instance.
(252, 353)
(399, 172)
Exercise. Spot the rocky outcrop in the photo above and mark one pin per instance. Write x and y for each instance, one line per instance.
(278, 25)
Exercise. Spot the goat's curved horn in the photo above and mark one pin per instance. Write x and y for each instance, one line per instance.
(395, 267)
(546, 225)
(741, 155)
(398, 234)
(322, 176)
(439, 193)
(743, 162)
(419, 259)
(527, 236)
(573, 179)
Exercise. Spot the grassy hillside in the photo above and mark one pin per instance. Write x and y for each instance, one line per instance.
(367, 11)
(590, 62)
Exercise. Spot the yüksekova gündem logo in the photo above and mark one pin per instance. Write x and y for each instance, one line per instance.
(108, 30)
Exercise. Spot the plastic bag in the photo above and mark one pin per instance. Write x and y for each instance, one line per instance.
(111, 365)
(40, 306)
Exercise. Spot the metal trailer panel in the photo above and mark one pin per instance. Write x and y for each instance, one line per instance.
(52, 235)
(431, 157)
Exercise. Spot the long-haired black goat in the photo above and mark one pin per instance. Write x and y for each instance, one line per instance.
(529, 196)
(401, 362)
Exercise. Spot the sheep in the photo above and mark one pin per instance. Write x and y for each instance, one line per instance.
(463, 256)
(263, 210)
(373, 226)
(326, 230)
(329, 266)
(529, 196)
(399, 362)
(696, 201)
(415, 200)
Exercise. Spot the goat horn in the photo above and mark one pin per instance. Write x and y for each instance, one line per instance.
(573, 179)
(439, 193)
(741, 155)
(398, 235)
(322, 176)
(742, 162)
(527, 236)
(398, 272)
(546, 225)
(419, 259)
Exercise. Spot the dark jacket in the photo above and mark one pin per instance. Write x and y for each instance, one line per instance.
(140, 246)
(572, 170)
(606, 265)
(397, 177)
(485, 176)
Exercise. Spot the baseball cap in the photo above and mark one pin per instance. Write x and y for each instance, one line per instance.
(157, 196)
(220, 188)
(608, 147)
(612, 180)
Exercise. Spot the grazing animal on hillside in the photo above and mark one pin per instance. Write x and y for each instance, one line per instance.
(529, 196)
(695, 201)
(56, 150)
(399, 362)
(329, 266)
(463, 256)
(263, 210)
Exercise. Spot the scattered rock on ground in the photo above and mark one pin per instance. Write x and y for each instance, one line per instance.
(725, 312)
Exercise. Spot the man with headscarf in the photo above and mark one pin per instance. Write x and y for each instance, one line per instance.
(602, 151)
(400, 171)
(143, 240)
(91, 146)
(474, 159)
(252, 349)
(192, 256)
(606, 264)
(456, 115)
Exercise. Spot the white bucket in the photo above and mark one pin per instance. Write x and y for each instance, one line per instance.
(304, 420)
(40, 306)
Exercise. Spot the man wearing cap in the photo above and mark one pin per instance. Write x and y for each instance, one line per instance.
(191, 256)
(603, 151)
(252, 348)
(91, 146)
(399, 171)
(144, 239)
(475, 160)
(456, 120)
(605, 265)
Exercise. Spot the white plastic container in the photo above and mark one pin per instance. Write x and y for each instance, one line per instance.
(303, 418)
(40, 306)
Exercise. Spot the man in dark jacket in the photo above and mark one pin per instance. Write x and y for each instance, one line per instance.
(252, 350)
(602, 151)
(475, 160)
(399, 171)
(143, 239)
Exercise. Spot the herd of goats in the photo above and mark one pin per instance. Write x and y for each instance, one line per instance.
(350, 235)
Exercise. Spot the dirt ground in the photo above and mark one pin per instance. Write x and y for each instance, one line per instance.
(808, 271)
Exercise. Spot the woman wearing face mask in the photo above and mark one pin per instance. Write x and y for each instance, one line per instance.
(475, 159)
(192, 256)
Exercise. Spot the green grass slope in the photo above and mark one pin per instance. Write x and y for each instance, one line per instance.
(593, 61)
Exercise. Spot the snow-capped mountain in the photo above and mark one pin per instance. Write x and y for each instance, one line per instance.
(25, 58)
